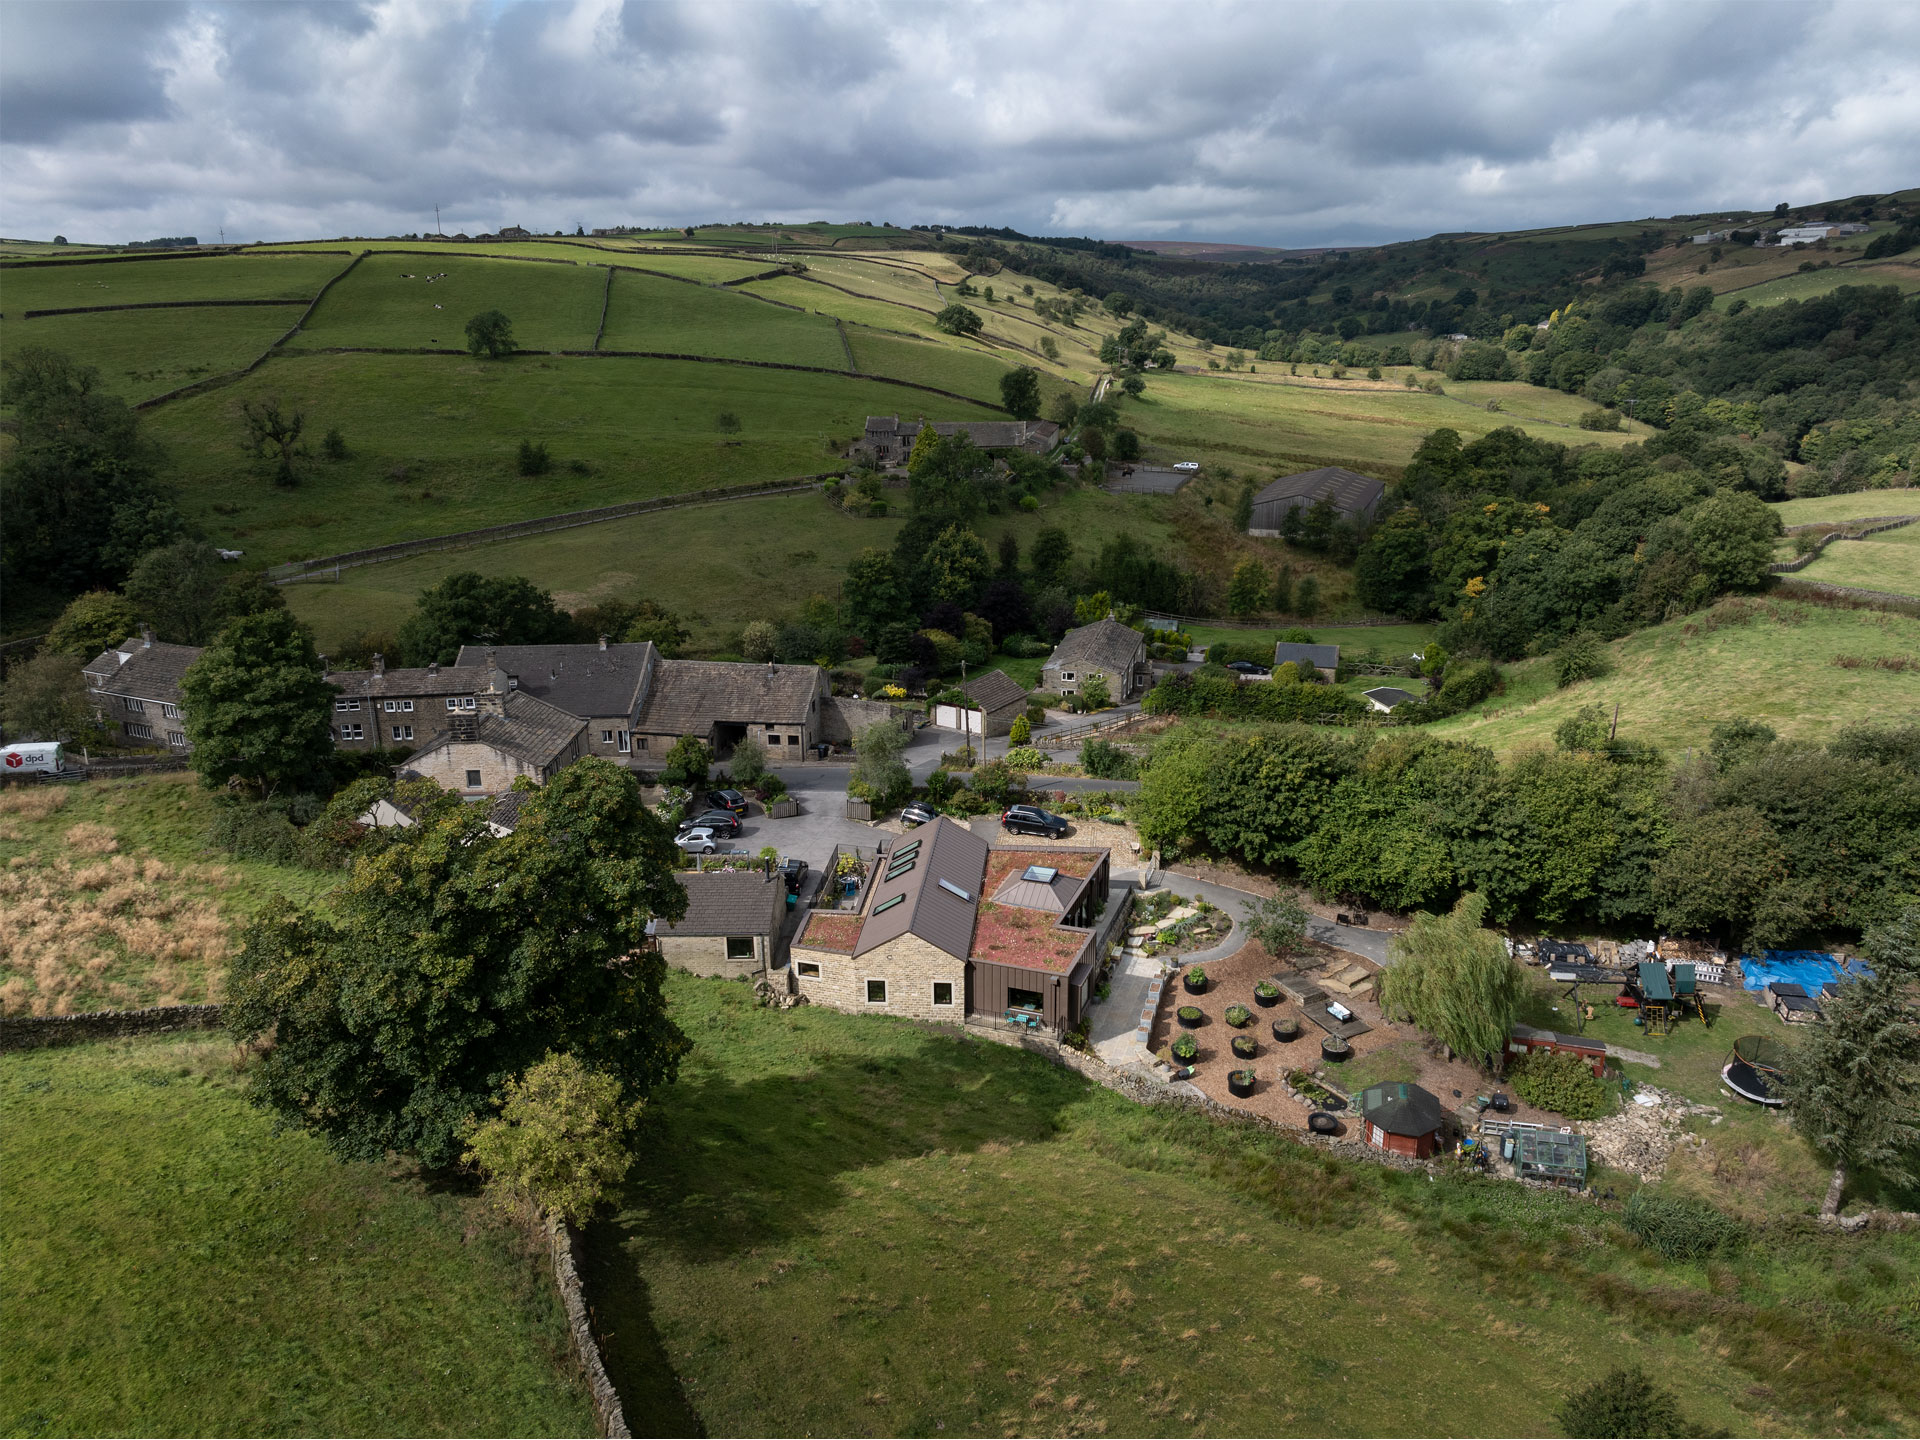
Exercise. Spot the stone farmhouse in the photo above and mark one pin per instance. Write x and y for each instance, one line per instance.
(386, 708)
(888, 440)
(948, 926)
(1324, 658)
(508, 734)
(732, 925)
(135, 687)
(1354, 496)
(1107, 648)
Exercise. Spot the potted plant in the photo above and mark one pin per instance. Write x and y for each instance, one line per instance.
(1334, 1049)
(1239, 1016)
(1286, 1029)
(1195, 980)
(1266, 994)
(1245, 1047)
(1189, 1016)
(1186, 1049)
(1240, 1082)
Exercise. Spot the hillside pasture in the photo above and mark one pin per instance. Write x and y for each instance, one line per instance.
(146, 282)
(143, 353)
(1888, 561)
(433, 441)
(1855, 505)
(393, 301)
(962, 369)
(648, 313)
(174, 1267)
(1764, 660)
(1797, 285)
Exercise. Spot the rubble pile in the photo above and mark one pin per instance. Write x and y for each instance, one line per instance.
(1642, 1137)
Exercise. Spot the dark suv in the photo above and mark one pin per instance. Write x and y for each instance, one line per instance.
(721, 822)
(1032, 820)
(727, 800)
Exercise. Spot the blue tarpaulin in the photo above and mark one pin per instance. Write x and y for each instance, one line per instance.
(1811, 968)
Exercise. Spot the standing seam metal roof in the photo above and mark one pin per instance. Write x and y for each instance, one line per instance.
(938, 916)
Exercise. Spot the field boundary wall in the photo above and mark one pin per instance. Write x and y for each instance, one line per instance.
(153, 305)
(42, 1032)
(1869, 599)
(1872, 527)
(185, 253)
(563, 1244)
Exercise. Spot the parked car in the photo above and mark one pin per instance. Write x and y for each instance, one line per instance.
(918, 814)
(1186, 465)
(731, 800)
(1032, 820)
(1246, 667)
(794, 872)
(698, 841)
(725, 822)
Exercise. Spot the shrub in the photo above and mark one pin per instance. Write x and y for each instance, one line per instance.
(533, 458)
(1239, 1016)
(1021, 732)
(559, 1140)
(998, 781)
(688, 763)
(1599, 418)
(748, 763)
(1625, 1402)
(248, 830)
(1025, 757)
(1198, 975)
(1679, 1228)
(1267, 990)
(1186, 1049)
(1108, 761)
(1563, 1084)
(1583, 657)
(334, 445)
(1279, 923)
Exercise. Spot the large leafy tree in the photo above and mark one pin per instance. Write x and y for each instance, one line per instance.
(490, 333)
(92, 622)
(469, 608)
(177, 589)
(1020, 392)
(957, 319)
(456, 961)
(957, 565)
(1455, 978)
(257, 706)
(1393, 571)
(1854, 1088)
(45, 698)
(873, 591)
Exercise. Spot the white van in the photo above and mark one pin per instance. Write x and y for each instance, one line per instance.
(34, 758)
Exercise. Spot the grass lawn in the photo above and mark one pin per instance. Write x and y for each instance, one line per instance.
(1857, 505)
(433, 441)
(142, 282)
(648, 313)
(1762, 660)
(112, 899)
(175, 1268)
(143, 353)
(855, 309)
(1888, 561)
(390, 301)
(952, 1236)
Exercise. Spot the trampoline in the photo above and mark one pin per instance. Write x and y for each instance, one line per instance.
(1756, 1069)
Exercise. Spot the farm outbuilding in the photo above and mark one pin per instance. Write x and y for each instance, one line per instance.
(1402, 1118)
(1526, 1040)
(1353, 496)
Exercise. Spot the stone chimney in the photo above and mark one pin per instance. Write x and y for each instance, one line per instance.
(146, 637)
(603, 642)
(433, 667)
(379, 665)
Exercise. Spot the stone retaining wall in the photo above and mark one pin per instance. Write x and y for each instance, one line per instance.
(40, 1032)
(564, 1242)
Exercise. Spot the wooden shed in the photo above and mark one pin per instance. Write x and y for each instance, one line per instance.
(1525, 1040)
(1402, 1118)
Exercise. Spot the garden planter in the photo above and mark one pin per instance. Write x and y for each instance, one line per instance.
(1334, 1050)
(1267, 996)
(1189, 1016)
(1240, 1082)
(1245, 1047)
(1239, 1016)
(1186, 1049)
(1286, 1030)
(1196, 984)
(1321, 1123)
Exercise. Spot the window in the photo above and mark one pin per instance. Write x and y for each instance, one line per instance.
(943, 992)
(399, 707)
(176, 739)
(460, 702)
(626, 742)
(793, 739)
(739, 947)
(606, 737)
(473, 779)
(1025, 999)
(353, 732)
(641, 743)
(139, 731)
(342, 707)
(809, 969)
(876, 992)
(1066, 675)
(137, 707)
(172, 712)
(406, 707)
(773, 739)
(403, 732)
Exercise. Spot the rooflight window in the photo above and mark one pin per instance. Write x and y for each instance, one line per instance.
(911, 848)
(900, 867)
(953, 889)
(1044, 874)
(888, 904)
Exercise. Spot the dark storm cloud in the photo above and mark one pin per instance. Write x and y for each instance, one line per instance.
(1256, 122)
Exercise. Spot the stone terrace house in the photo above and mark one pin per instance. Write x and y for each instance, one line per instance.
(888, 440)
(1354, 496)
(135, 687)
(383, 708)
(508, 734)
(602, 684)
(951, 927)
(1105, 647)
(732, 925)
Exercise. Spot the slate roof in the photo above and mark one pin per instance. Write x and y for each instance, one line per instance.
(1321, 657)
(529, 729)
(995, 690)
(1350, 491)
(582, 680)
(987, 434)
(505, 811)
(392, 683)
(929, 909)
(1402, 1109)
(1389, 696)
(730, 902)
(689, 696)
(145, 669)
(1104, 645)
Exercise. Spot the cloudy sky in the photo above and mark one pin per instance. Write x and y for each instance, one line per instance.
(1265, 123)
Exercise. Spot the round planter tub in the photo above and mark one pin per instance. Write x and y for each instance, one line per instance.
(1335, 1051)
(1286, 1031)
(1245, 1047)
(1266, 1002)
(1321, 1123)
(1188, 1024)
(1193, 989)
(1240, 1082)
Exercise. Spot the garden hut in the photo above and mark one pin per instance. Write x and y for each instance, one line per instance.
(1403, 1119)
(1525, 1040)
(1792, 1003)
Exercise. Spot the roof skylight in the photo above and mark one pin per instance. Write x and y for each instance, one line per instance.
(953, 889)
(1044, 874)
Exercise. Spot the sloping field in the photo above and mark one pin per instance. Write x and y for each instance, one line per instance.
(570, 252)
(647, 313)
(176, 1268)
(961, 369)
(855, 309)
(1857, 505)
(397, 301)
(142, 353)
(141, 282)
(1764, 660)
(1903, 275)
(1889, 561)
(433, 441)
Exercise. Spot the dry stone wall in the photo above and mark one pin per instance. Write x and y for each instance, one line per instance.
(39, 1032)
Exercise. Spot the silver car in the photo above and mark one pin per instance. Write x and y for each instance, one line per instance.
(697, 841)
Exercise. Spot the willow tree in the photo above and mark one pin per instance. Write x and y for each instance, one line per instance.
(1455, 979)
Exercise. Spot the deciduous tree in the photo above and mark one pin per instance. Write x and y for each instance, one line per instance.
(559, 1141)
(468, 608)
(177, 589)
(957, 319)
(45, 698)
(1456, 980)
(490, 333)
(257, 706)
(1020, 392)
(91, 623)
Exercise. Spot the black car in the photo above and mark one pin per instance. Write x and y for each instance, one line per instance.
(1032, 820)
(794, 872)
(1246, 667)
(721, 822)
(727, 800)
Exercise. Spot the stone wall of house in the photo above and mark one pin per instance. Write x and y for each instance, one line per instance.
(707, 955)
(448, 766)
(909, 965)
(39, 1032)
(842, 718)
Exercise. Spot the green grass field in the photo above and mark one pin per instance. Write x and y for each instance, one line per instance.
(142, 353)
(1857, 505)
(571, 252)
(142, 282)
(1675, 682)
(1889, 561)
(943, 1235)
(961, 370)
(433, 441)
(391, 300)
(175, 1268)
(647, 313)
(1904, 276)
